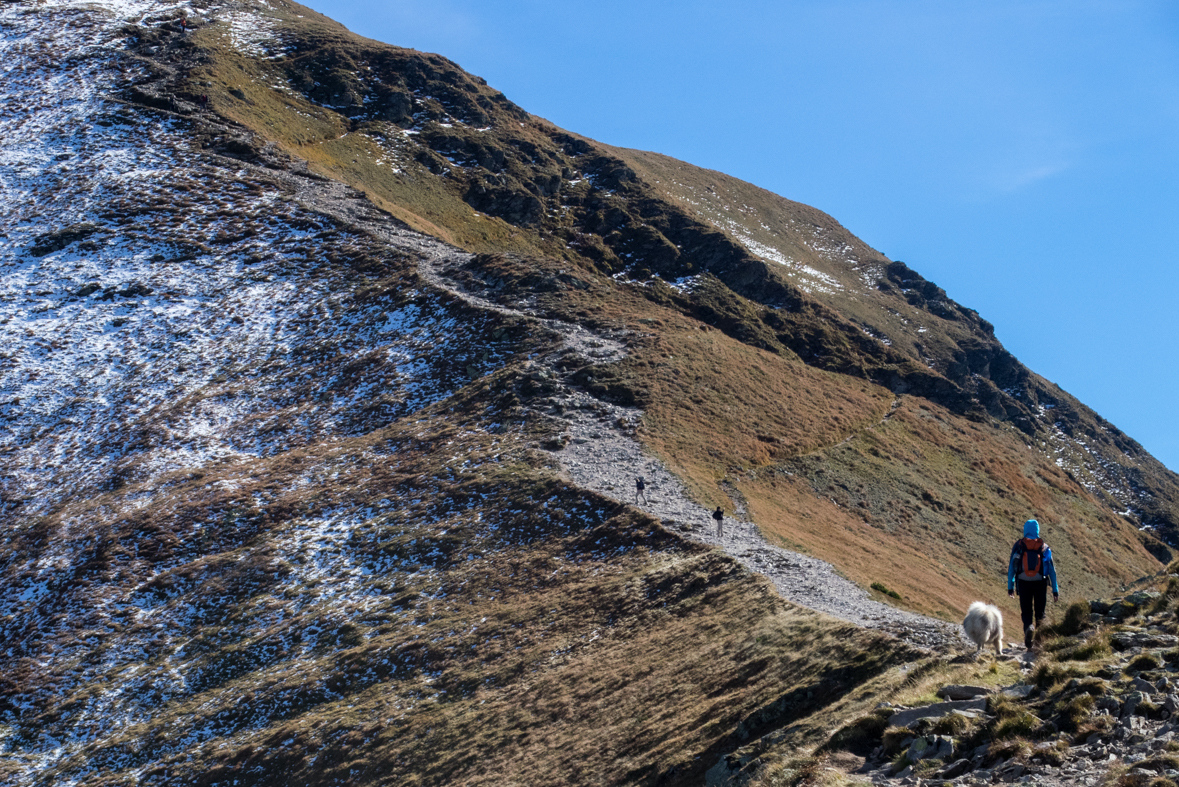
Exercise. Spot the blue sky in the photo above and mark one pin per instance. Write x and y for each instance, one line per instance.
(1023, 155)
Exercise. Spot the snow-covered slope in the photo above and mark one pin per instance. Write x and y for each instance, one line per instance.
(139, 276)
(167, 314)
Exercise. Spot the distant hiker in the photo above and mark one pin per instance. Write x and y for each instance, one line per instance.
(1028, 573)
(640, 490)
(719, 516)
(172, 103)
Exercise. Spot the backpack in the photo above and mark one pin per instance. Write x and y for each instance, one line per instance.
(1030, 552)
(640, 484)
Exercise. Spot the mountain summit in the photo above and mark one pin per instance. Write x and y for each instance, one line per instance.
(327, 374)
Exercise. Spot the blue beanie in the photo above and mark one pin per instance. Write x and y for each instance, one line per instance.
(1031, 529)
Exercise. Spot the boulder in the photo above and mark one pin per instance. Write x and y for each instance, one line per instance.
(1140, 597)
(955, 692)
(954, 769)
(1019, 691)
(1100, 607)
(1110, 704)
(903, 718)
(1133, 699)
(1121, 610)
(1143, 686)
(1125, 640)
(926, 747)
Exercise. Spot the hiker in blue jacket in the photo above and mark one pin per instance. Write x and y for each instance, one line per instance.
(1028, 573)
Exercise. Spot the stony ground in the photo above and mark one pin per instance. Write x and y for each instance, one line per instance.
(1095, 707)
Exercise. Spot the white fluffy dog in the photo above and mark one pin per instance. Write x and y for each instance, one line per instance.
(984, 626)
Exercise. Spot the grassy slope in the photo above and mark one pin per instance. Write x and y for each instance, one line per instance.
(570, 647)
(836, 466)
(731, 404)
(918, 319)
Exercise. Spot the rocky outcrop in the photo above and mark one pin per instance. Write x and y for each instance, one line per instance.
(1097, 705)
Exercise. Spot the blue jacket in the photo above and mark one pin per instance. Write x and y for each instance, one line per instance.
(1015, 565)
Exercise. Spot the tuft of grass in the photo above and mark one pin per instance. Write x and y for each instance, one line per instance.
(880, 587)
(1076, 619)
(1094, 648)
(1100, 724)
(1017, 749)
(900, 762)
(1017, 725)
(858, 737)
(1012, 719)
(926, 768)
(1120, 776)
(1142, 663)
(1048, 674)
(1074, 712)
(896, 738)
(1054, 755)
(951, 724)
(1095, 687)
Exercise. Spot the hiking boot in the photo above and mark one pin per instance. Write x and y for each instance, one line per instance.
(1027, 637)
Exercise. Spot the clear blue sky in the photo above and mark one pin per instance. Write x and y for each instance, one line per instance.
(1022, 154)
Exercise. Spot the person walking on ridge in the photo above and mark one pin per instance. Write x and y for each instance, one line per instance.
(1028, 573)
(719, 516)
(640, 490)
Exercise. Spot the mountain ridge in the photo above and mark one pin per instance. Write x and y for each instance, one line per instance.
(264, 467)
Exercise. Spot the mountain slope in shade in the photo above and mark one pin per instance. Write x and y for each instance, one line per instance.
(282, 505)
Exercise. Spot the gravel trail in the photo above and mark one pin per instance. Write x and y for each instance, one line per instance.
(605, 458)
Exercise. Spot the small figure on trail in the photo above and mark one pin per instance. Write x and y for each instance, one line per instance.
(640, 490)
(719, 516)
(172, 103)
(183, 24)
(1028, 573)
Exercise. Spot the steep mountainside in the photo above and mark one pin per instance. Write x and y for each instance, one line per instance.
(290, 382)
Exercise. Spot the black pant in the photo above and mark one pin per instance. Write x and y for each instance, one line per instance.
(1032, 594)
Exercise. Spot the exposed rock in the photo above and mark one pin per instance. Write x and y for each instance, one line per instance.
(930, 746)
(904, 718)
(1019, 691)
(1124, 640)
(1121, 610)
(1133, 699)
(1143, 686)
(56, 241)
(954, 692)
(954, 769)
(1100, 607)
(1140, 597)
